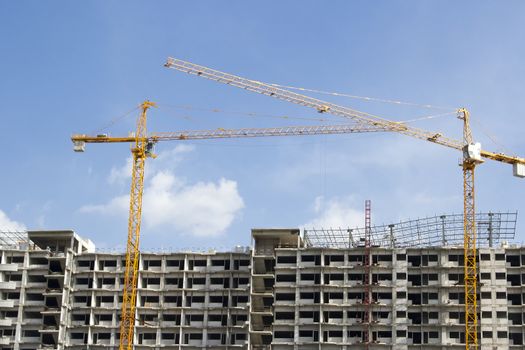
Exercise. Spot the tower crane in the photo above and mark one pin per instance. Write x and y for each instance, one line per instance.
(143, 148)
(472, 156)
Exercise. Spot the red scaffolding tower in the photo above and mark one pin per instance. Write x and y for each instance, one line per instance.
(368, 293)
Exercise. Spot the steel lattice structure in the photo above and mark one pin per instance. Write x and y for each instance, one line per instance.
(13, 239)
(442, 230)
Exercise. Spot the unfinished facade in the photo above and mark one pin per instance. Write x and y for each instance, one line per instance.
(56, 292)
(287, 292)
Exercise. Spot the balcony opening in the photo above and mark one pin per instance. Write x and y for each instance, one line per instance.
(175, 264)
(513, 260)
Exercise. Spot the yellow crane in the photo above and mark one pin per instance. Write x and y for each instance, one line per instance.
(142, 149)
(472, 156)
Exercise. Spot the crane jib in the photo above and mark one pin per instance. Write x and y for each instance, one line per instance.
(327, 107)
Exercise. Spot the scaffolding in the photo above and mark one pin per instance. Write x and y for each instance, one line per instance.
(13, 239)
(443, 230)
(368, 292)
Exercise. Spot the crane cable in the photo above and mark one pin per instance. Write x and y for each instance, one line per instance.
(365, 98)
(491, 137)
(249, 114)
(255, 114)
(427, 117)
(115, 121)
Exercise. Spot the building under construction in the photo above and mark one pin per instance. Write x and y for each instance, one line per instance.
(397, 286)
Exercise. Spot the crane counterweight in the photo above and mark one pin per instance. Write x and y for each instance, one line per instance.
(472, 153)
(79, 146)
(518, 170)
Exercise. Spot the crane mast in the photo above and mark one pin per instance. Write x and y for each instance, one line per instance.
(140, 152)
(471, 157)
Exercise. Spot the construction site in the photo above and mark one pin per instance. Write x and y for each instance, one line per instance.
(450, 281)
(443, 282)
(324, 289)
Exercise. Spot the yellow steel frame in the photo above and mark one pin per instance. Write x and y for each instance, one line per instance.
(139, 152)
(469, 243)
(221, 133)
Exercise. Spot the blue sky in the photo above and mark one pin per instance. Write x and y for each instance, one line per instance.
(70, 67)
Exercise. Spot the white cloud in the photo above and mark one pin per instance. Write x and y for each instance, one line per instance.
(173, 205)
(8, 224)
(175, 155)
(121, 174)
(335, 213)
(117, 205)
(205, 208)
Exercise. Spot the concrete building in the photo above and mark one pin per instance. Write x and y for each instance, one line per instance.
(287, 292)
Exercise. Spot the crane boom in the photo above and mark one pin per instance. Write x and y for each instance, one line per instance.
(328, 107)
(220, 133)
(307, 101)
